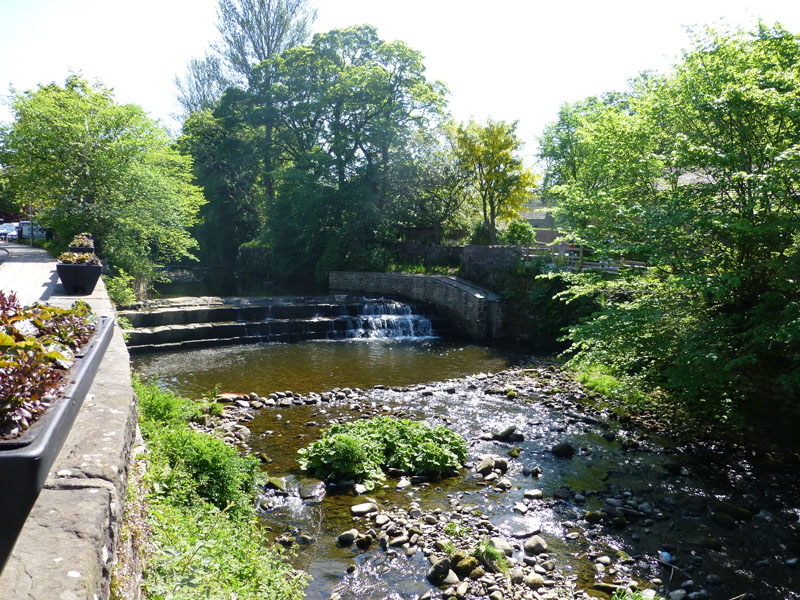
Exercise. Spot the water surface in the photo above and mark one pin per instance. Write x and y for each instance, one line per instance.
(320, 365)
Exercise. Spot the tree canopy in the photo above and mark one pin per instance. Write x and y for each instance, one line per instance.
(498, 179)
(86, 163)
(696, 172)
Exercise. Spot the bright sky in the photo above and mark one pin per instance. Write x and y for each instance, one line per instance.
(504, 59)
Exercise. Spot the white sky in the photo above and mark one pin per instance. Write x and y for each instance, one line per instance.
(504, 59)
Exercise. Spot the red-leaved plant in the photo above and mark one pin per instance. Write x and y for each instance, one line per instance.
(37, 345)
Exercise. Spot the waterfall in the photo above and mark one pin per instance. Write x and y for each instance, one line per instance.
(387, 319)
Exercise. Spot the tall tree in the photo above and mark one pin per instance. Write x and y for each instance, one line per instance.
(342, 108)
(202, 86)
(500, 182)
(254, 30)
(700, 174)
(90, 164)
(251, 31)
(221, 144)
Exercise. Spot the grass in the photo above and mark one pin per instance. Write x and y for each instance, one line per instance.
(190, 517)
(629, 595)
(490, 556)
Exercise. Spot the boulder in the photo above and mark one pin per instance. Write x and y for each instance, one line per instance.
(438, 571)
(535, 545)
(365, 508)
(563, 450)
(346, 538)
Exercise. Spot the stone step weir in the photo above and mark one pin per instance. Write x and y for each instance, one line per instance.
(210, 321)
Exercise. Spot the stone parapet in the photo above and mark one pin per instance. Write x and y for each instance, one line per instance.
(474, 311)
(66, 548)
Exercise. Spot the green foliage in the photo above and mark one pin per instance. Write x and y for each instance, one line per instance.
(499, 182)
(78, 258)
(37, 345)
(361, 450)
(221, 475)
(489, 556)
(302, 160)
(518, 233)
(420, 268)
(87, 163)
(629, 595)
(199, 552)
(697, 172)
(454, 529)
(203, 540)
(479, 235)
(120, 289)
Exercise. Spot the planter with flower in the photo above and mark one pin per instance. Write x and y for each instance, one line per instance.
(82, 242)
(48, 358)
(79, 272)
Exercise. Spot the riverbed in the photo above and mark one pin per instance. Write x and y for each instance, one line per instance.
(714, 522)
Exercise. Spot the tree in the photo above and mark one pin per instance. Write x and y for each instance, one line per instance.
(697, 172)
(251, 31)
(90, 164)
(341, 109)
(221, 144)
(202, 86)
(499, 181)
(255, 30)
(430, 187)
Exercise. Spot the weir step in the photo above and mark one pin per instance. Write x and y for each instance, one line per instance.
(241, 321)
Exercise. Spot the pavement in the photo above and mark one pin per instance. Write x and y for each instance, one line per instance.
(66, 548)
(31, 273)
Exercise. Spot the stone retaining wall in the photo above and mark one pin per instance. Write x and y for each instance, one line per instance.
(66, 548)
(475, 312)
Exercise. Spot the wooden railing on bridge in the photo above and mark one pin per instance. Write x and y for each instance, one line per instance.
(574, 258)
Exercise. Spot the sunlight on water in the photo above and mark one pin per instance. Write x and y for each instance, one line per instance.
(317, 365)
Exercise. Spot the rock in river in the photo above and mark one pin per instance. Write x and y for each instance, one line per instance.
(365, 508)
(563, 450)
(535, 545)
(347, 538)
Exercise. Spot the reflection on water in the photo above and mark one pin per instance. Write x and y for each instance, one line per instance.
(319, 365)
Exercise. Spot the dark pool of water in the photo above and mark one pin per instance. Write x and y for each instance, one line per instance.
(320, 365)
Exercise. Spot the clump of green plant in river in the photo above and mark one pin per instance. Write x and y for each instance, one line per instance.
(37, 344)
(629, 595)
(360, 451)
(492, 558)
(202, 536)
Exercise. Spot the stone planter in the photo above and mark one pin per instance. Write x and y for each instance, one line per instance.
(79, 279)
(81, 249)
(26, 461)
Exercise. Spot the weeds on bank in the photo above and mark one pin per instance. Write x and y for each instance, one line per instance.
(201, 537)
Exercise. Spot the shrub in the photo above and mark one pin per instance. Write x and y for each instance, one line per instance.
(199, 552)
(222, 476)
(361, 450)
(518, 233)
(120, 289)
(479, 235)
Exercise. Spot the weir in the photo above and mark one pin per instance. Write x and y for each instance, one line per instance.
(211, 321)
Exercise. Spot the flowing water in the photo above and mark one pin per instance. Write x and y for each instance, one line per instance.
(750, 557)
